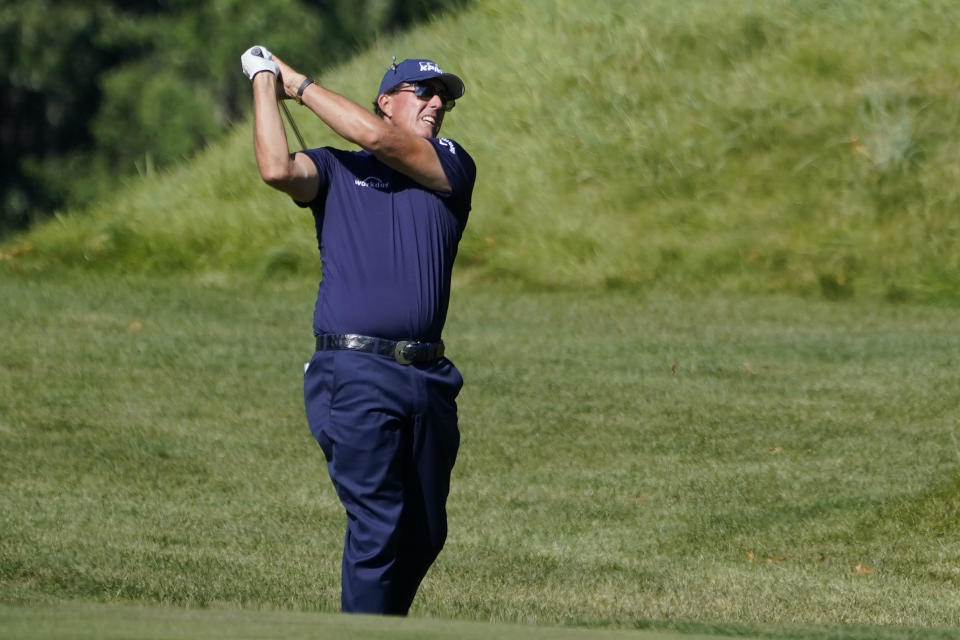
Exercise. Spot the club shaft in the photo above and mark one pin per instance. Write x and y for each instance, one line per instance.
(293, 125)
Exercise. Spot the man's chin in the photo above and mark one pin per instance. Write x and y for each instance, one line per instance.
(427, 130)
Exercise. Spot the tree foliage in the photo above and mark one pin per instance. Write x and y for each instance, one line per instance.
(93, 90)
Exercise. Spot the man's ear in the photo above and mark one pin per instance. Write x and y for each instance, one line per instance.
(385, 101)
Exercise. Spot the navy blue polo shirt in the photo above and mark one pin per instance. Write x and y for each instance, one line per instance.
(387, 243)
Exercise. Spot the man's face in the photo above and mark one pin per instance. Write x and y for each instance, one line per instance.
(421, 117)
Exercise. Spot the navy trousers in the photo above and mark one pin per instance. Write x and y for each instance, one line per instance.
(390, 437)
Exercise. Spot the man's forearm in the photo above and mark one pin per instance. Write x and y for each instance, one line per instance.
(345, 117)
(269, 135)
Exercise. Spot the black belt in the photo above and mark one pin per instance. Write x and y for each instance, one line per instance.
(403, 351)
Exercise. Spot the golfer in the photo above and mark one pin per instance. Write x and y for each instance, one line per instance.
(380, 395)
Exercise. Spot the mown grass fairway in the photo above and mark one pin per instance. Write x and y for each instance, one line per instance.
(109, 622)
(628, 460)
(75, 621)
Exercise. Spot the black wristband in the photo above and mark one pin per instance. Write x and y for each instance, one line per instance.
(306, 83)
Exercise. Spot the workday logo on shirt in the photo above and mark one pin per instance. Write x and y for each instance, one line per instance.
(372, 182)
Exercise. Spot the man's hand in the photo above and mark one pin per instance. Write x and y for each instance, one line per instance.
(257, 59)
(290, 80)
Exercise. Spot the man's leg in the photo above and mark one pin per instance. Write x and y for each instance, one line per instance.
(355, 405)
(432, 451)
(392, 474)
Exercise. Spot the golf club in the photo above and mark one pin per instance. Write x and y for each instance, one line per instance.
(283, 106)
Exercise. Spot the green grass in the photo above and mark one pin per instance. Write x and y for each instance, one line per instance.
(130, 622)
(705, 309)
(99, 622)
(710, 465)
(765, 146)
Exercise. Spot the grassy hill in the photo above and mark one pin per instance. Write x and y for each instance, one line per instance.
(796, 146)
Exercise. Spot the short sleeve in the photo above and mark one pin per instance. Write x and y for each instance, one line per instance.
(459, 168)
(324, 160)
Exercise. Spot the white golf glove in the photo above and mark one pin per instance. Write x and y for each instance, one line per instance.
(257, 59)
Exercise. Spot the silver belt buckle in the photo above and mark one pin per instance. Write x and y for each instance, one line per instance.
(398, 352)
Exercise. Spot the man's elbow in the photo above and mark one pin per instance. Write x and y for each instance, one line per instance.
(375, 138)
(276, 175)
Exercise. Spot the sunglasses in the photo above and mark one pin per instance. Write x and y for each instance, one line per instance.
(427, 91)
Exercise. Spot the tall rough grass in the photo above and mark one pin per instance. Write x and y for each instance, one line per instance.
(794, 146)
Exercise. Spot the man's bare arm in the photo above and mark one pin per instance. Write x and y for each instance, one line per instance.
(409, 154)
(294, 174)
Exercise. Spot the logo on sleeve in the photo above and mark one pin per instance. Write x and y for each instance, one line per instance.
(446, 142)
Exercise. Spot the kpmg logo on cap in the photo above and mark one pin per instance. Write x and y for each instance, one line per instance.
(430, 66)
